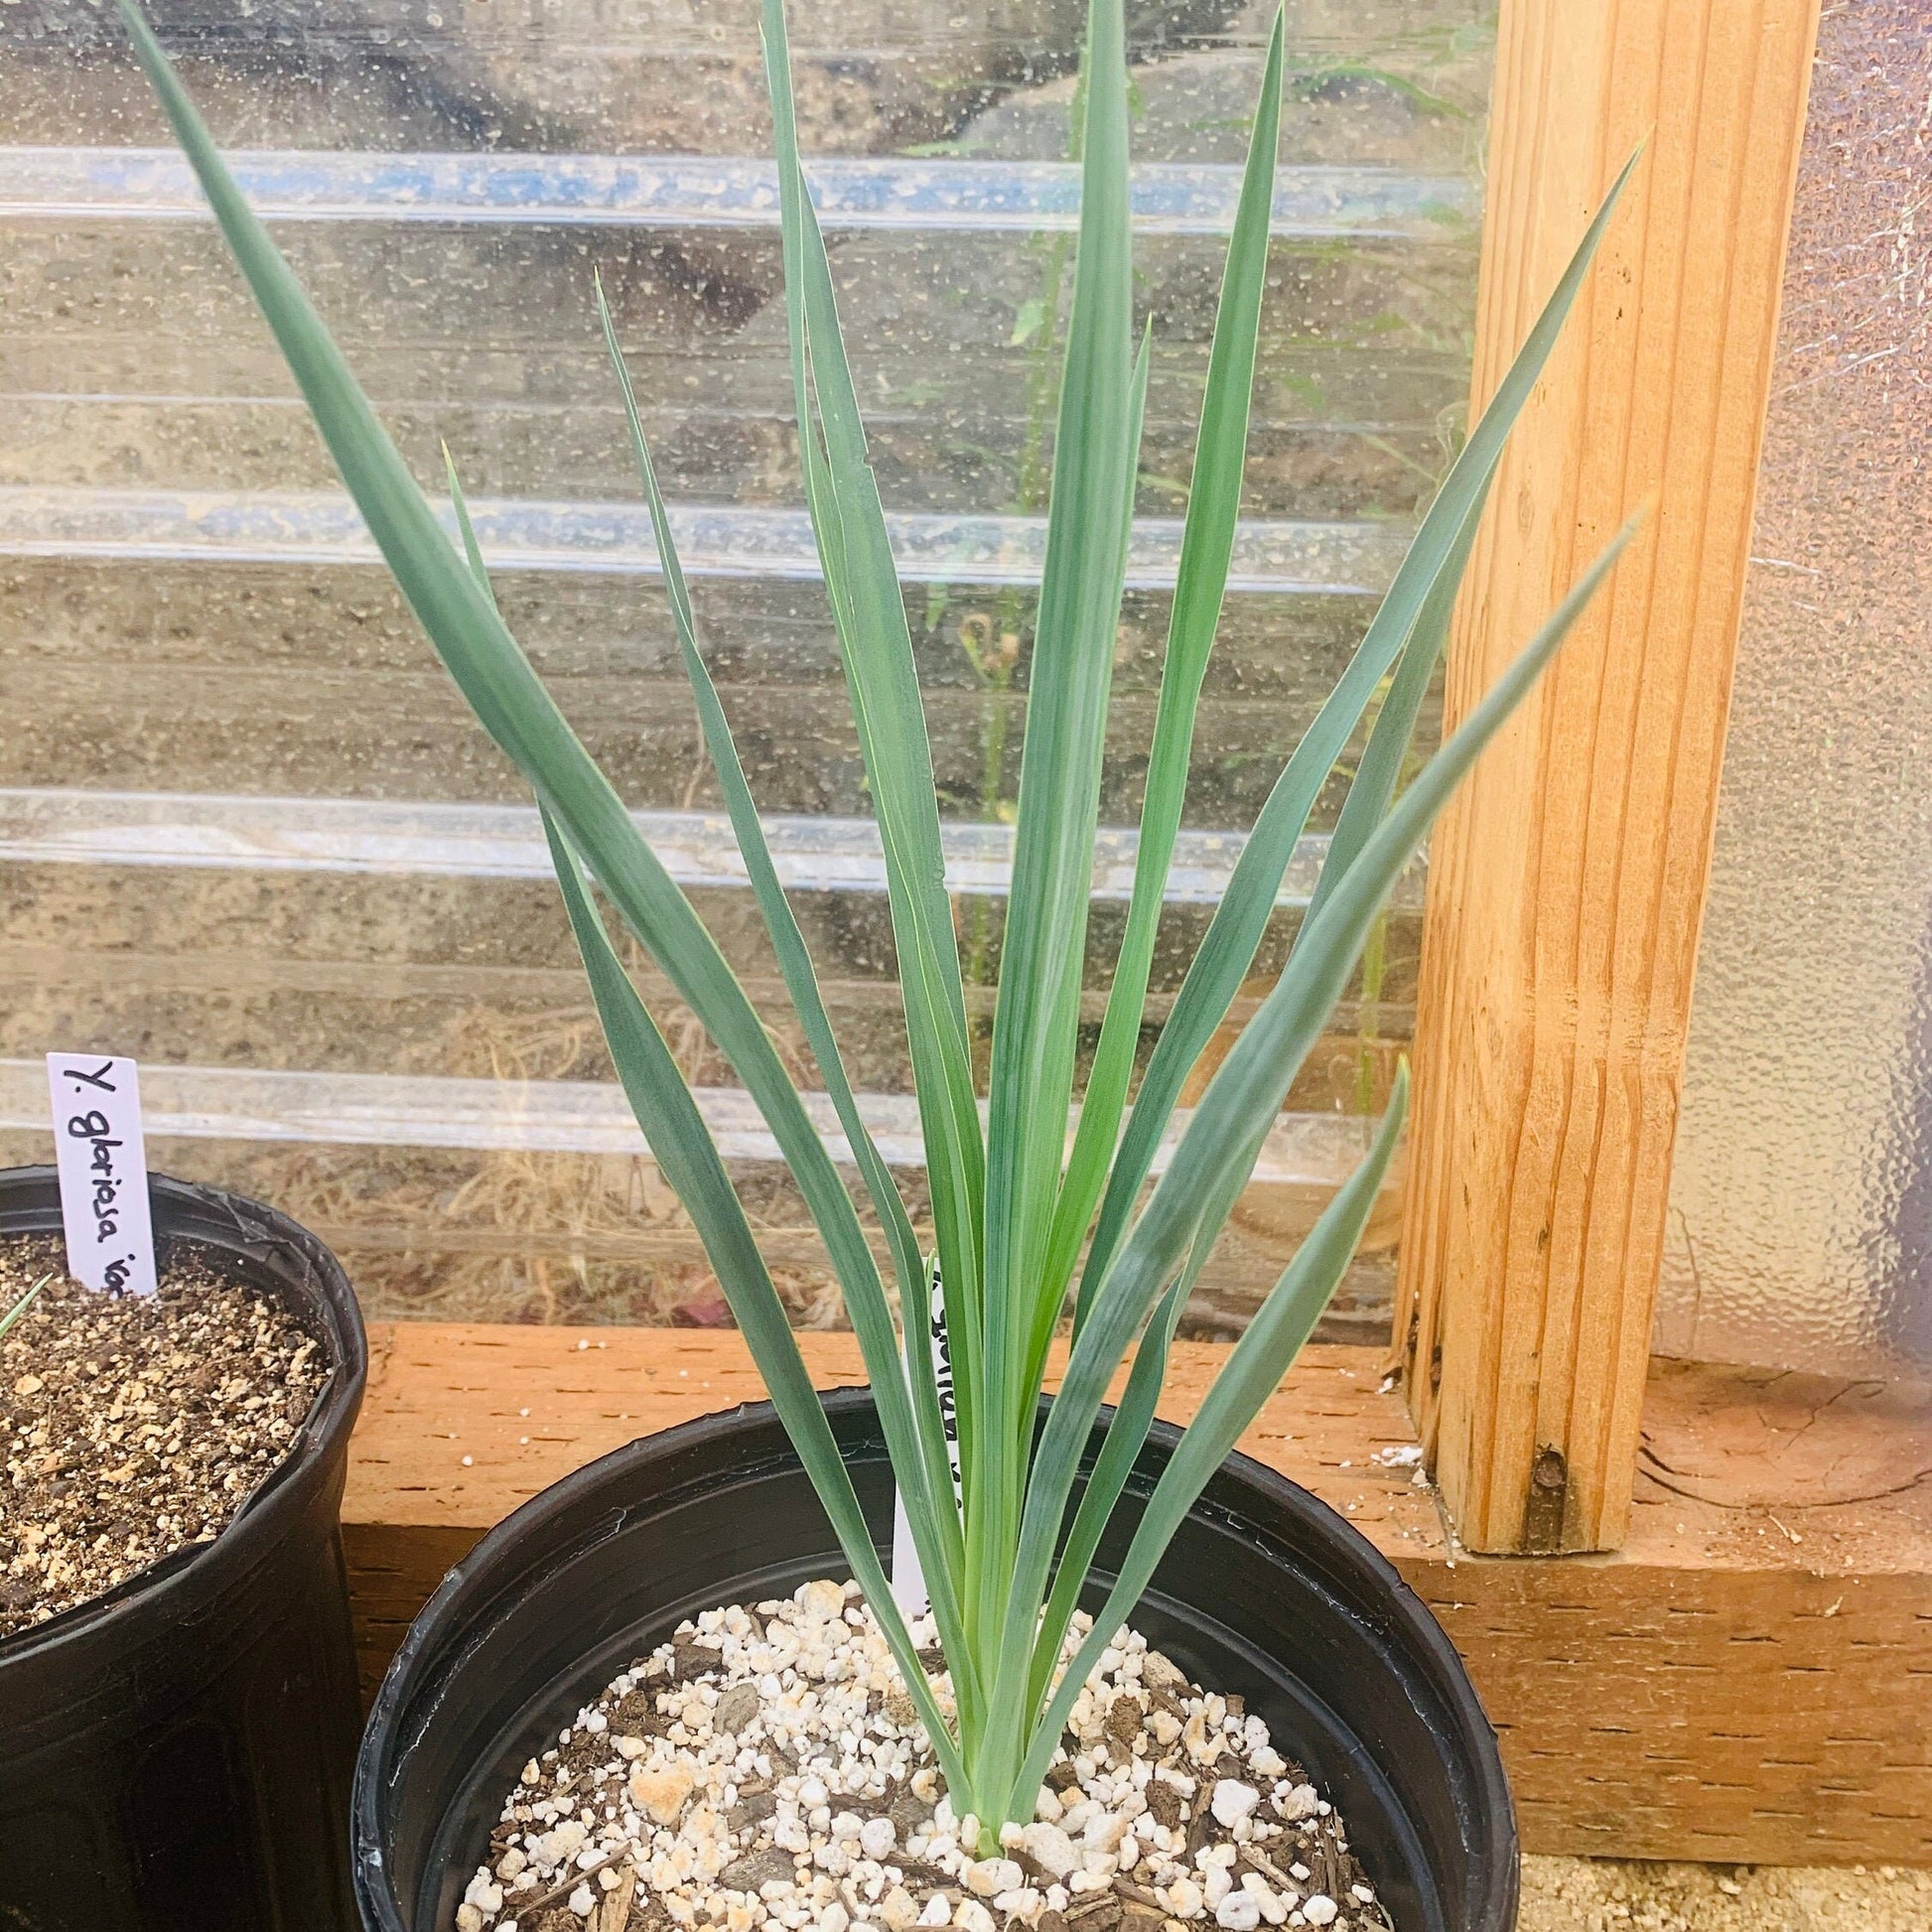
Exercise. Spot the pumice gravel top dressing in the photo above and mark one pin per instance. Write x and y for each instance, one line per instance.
(766, 1768)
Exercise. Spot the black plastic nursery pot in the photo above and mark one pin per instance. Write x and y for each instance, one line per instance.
(176, 1755)
(1265, 1591)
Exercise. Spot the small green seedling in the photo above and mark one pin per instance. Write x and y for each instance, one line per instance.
(21, 1307)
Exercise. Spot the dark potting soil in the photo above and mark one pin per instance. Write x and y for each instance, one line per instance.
(133, 1427)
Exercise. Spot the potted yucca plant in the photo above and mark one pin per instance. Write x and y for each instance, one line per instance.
(1041, 1528)
(178, 1698)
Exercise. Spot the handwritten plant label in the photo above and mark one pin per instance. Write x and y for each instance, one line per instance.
(103, 1163)
(908, 1581)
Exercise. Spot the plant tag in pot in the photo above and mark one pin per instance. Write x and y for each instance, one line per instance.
(908, 1581)
(102, 1159)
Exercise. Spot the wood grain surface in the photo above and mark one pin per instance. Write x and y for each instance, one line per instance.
(1746, 1680)
(1567, 878)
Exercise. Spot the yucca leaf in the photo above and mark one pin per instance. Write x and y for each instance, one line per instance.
(880, 669)
(1132, 1416)
(1240, 1102)
(872, 1319)
(935, 1522)
(490, 669)
(867, 609)
(1200, 586)
(1227, 950)
(1380, 770)
(1428, 572)
(1246, 1092)
(1042, 951)
(1070, 677)
(467, 531)
(868, 614)
(1127, 1431)
(462, 621)
(1255, 1367)
(683, 1149)
(1044, 1313)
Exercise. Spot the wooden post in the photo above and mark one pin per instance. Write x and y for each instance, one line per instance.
(1566, 880)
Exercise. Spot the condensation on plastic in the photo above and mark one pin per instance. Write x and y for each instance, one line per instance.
(811, 852)
(1800, 1229)
(736, 191)
(1311, 1152)
(249, 829)
(1355, 558)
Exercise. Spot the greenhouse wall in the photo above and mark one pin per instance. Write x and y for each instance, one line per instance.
(248, 831)
(1801, 1214)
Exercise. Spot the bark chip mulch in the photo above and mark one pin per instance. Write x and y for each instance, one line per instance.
(133, 1427)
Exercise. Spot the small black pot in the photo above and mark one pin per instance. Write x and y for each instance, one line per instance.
(176, 1755)
(1265, 1591)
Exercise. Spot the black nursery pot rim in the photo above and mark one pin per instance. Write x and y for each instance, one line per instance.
(199, 1573)
(483, 1588)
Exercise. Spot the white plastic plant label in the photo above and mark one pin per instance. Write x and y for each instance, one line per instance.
(104, 1165)
(908, 1581)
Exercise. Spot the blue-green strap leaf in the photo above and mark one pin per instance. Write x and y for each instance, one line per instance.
(872, 1319)
(1200, 586)
(1241, 1101)
(682, 1146)
(1259, 1359)
(869, 616)
(1070, 678)
(1427, 579)
(504, 691)
(935, 1522)
(1125, 1433)
(20, 1307)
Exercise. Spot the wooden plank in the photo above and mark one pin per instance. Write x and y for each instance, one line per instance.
(527, 1405)
(1746, 1680)
(1567, 879)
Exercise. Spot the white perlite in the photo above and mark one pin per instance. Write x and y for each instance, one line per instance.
(765, 1769)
